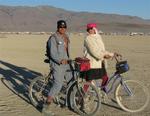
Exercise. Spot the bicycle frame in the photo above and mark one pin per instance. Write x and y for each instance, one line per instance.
(116, 77)
(126, 88)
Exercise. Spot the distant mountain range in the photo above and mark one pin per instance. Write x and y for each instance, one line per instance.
(44, 18)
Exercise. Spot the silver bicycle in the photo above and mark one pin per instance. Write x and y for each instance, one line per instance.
(131, 95)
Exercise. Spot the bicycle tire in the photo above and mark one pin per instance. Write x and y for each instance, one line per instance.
(83, 104)
(37, 91)
(135, 102)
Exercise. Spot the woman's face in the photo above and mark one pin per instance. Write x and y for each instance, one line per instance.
(91, 31)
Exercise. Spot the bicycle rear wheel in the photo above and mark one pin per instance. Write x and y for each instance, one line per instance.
(132, 96)
(86, 102)
(38, 91)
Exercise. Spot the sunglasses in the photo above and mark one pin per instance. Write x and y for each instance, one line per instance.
(89, 28)
(62, 27)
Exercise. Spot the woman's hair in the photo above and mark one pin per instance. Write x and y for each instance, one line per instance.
(88, 29)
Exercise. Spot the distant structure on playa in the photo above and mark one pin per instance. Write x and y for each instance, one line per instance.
(3, 34)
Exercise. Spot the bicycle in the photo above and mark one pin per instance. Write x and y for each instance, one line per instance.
(40, 87)
(131, 95)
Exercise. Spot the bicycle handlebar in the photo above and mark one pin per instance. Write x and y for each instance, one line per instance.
(70, 61)
(117, 57)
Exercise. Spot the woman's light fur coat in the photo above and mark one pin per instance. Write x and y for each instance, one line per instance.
(95, 50)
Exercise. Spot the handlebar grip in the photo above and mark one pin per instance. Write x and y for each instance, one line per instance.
(117, 56)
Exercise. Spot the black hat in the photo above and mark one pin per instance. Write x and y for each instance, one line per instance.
(61, 23)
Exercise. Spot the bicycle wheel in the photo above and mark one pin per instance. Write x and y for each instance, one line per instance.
(132, 96)
(86, 102)
(38, 91)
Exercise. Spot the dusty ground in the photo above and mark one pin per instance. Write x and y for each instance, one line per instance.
(21, 60)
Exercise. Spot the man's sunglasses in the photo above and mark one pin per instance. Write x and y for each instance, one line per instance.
(62, 27)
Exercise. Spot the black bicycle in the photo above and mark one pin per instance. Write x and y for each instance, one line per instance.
(89, 100)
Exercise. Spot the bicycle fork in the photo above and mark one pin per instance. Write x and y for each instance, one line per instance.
(126, 87)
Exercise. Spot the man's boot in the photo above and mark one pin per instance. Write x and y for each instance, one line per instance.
(47, 107)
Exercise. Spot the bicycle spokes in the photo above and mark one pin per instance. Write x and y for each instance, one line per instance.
(132, 96)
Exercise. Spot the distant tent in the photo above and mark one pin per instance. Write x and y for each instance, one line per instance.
(100, 32)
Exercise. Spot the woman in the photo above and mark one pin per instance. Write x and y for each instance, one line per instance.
(96, 53)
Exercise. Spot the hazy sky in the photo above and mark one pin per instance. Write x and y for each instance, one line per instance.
(139, 8)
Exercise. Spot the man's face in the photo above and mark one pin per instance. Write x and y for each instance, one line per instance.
(62, 30)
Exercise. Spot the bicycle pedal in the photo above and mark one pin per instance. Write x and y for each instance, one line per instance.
(105, 101)
(104, 97)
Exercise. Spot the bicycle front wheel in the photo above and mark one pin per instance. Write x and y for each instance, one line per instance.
(132, 96)
(86, 100)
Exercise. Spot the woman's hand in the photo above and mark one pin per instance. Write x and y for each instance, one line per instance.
(107, 56)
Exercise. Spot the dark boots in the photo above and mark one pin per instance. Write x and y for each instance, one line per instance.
(47, 107)
(49, 100)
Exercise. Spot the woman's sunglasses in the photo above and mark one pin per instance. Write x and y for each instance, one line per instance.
(89, 28)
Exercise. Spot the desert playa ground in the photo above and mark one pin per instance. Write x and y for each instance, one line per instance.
(21, 60)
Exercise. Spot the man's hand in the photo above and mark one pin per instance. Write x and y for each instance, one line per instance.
(64, 61)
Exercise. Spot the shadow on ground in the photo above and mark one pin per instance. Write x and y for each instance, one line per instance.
(17, 79)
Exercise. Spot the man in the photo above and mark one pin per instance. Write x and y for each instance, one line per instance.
(58, 45)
